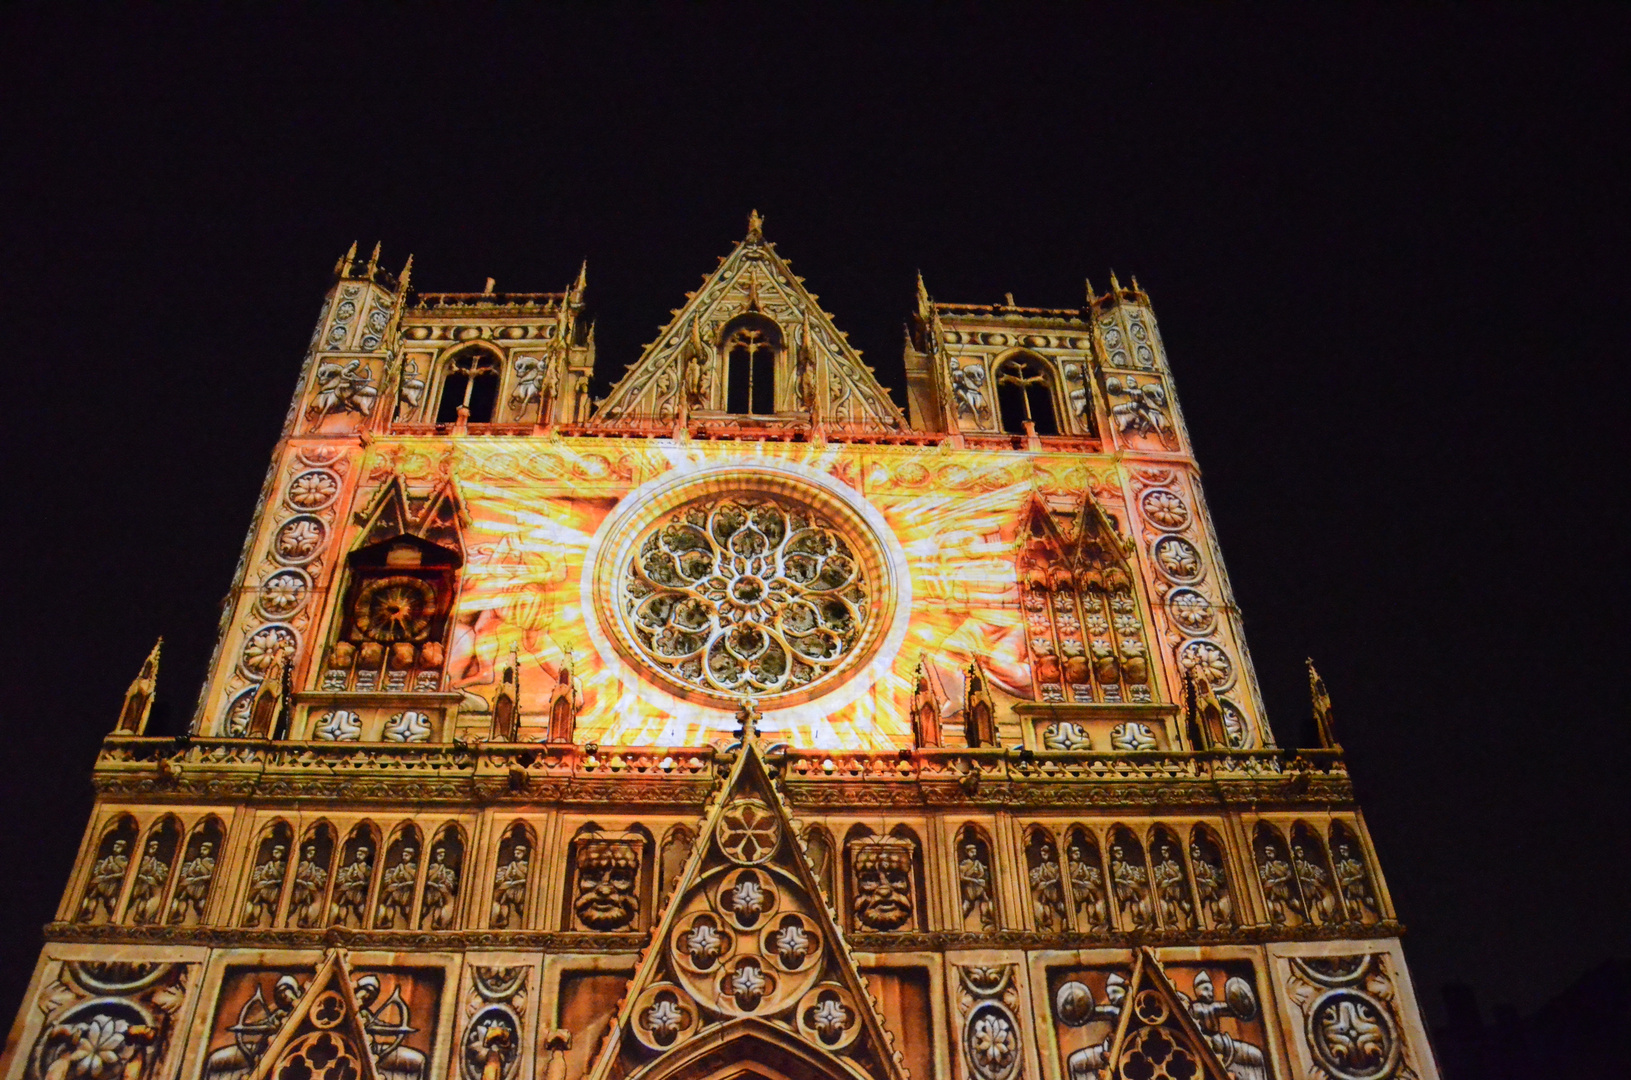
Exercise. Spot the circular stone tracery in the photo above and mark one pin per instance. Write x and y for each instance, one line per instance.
(745, 583)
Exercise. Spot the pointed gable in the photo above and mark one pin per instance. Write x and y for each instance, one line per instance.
(747, 961)
(684, 370)
(1156, 1035)
(326, 1028)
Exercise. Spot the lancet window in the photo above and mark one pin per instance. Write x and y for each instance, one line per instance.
(469, 388)
(751, 346)
(1087, 641)
(1025, 394)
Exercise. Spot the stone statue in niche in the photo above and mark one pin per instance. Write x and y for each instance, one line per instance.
(968, 387)
(1315, 883)
(885, 898)
(349, 906)
(1087, 887)
(396, 887)
(510, 885)
(266, 879)
(1132, 887)
(1047, 888)
(107, 878)
(1352, 879)
(974, 882)
(1278, 888)
(441, 888)
(152, 874)
(1172, 886)
(310, 881)
(193, 883)
(1211, 885)
(605, 895)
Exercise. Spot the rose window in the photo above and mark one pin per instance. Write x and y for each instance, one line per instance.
(746, 596)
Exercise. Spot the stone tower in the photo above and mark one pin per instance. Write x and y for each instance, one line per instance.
(744, 723)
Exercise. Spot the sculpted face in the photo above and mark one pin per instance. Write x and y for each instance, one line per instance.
(883, 899)
(362, 855)
(205, 848)
(118, 847)
(519, 854)
(606, 898)
(277, 852)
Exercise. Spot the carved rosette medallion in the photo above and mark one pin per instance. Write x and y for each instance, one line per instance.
(774, 583)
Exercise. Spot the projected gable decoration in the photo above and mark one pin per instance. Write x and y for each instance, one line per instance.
(747, 722)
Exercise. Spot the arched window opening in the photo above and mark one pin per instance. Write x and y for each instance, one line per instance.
(1025, 393)
(750, 349)
(471, 383)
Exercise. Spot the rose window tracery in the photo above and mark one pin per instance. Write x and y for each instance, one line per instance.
(746, 595)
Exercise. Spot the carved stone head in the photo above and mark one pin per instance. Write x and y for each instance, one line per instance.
(883, 882)
(606, 897)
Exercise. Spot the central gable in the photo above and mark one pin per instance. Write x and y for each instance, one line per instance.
(752, 304)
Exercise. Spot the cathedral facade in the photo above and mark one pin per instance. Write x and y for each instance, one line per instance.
(744, 723)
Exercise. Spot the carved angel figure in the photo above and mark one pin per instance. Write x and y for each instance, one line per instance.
(510, 889)
(538, 379)
(1132, 888)
(343, 388)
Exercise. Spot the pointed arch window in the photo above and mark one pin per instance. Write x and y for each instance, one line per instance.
(1025, 385)
(751, 346)
(470, 383)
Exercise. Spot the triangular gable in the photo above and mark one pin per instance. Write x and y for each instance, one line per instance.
(681, 370)
(1093, 556)
(438, 518)
(748, 950)
(324, 1027)
(1155, 1031)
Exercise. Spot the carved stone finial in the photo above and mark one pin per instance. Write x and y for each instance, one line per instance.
(1091, 296)
(756, 227)
(748, 716)
(342, 268)
(403, 278)
(138, 705)
(1323, 720)
(373, 262)
(575, 294)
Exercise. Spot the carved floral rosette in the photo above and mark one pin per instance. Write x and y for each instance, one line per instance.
(1353, 1025)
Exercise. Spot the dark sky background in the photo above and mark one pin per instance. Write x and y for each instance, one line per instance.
(1386, 247)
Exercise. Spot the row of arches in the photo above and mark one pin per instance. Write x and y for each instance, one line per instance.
(1095, 880)
(1023, 388)
(1307, 882)
(323, 881)
(164, 879)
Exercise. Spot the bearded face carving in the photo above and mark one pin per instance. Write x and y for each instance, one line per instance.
(606, 894)
(883, 889)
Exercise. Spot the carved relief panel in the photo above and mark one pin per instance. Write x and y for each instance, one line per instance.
(884, 880)
(98, 1018)
(1353, 1016)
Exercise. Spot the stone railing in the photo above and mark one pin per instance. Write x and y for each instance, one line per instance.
(484, 770)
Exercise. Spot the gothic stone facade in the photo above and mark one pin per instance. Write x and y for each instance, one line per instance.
(741, 723)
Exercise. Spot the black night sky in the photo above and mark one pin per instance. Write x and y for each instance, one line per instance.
(1386, 248)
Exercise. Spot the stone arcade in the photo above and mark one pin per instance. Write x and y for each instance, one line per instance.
(744, 723)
